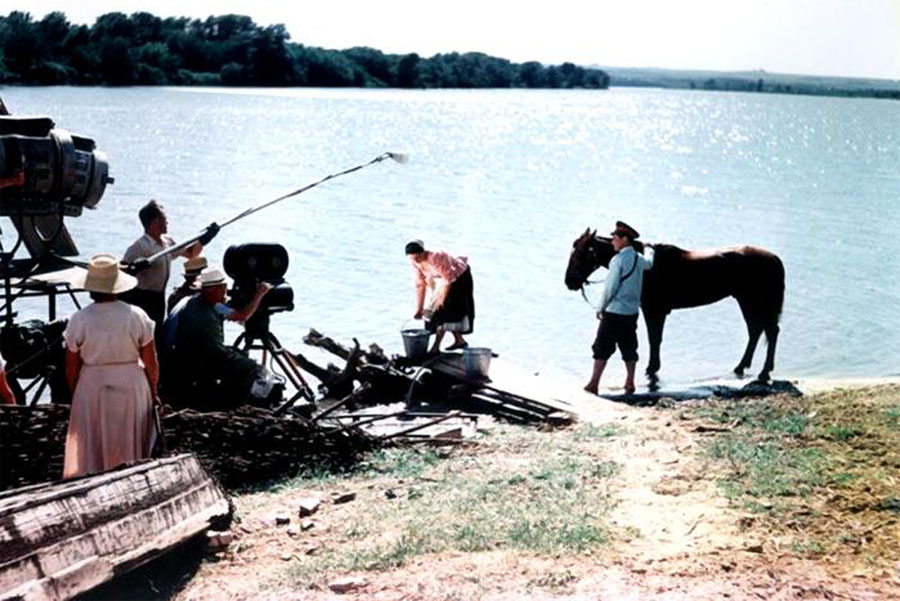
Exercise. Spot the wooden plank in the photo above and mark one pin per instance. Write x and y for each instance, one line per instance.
(421, 426)
(506, 385)
(516, 413)
(61, 539)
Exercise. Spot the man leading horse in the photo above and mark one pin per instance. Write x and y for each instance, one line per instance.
(681, 279)
(618, 311)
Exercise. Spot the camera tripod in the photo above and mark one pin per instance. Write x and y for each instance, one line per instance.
(257, 336)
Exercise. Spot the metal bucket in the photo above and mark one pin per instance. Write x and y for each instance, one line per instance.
(415, 342)
(476, 362)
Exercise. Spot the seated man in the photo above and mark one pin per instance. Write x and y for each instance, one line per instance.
(190, 286)
(199, 370)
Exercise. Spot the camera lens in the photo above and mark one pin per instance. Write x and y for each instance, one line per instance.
(256, 261)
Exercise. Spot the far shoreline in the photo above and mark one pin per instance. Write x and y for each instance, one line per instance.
(872, 94)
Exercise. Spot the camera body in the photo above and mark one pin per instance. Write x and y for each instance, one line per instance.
(250, 264)
(47, 174)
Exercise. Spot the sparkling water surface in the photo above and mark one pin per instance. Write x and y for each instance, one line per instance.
(509, 178)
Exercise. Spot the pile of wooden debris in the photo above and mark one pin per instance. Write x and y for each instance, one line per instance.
(371, 401)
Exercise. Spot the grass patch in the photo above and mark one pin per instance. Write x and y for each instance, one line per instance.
(818, 469)
(545, 494)
(594, 432)
(402, 462)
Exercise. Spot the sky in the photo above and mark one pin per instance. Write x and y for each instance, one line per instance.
(855, 38)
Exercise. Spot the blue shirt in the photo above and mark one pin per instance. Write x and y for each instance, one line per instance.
(219, 310)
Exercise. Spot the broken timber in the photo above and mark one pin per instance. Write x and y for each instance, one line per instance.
(507, 394)
(60, 539)
(398, 377)
(410, 426)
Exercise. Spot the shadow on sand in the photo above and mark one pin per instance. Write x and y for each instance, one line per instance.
(161, 578)
(706, 391)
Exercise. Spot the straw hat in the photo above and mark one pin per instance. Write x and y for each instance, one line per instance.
(195, 266)
(211, 276)
(103, 275)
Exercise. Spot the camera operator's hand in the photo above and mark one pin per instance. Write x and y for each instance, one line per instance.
(244, 313)
(137, 266)
(209, 233)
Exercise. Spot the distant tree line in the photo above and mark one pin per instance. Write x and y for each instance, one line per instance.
(780, 87)
(770, 84)
(232, 50)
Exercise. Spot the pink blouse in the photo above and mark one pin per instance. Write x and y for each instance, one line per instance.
(439, 265)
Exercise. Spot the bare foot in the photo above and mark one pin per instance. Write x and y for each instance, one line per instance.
(591, 389)
(629, 390)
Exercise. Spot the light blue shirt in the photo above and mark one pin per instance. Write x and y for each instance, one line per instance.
(622, 294)
(170, 329)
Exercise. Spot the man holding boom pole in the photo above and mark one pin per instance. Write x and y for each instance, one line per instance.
(150, 256)
(150, 294)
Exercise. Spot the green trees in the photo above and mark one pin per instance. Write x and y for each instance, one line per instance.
(144, 49)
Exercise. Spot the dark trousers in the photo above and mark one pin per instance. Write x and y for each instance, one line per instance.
(616, 329)
(153, 304)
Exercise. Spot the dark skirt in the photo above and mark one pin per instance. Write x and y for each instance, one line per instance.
(458, 310)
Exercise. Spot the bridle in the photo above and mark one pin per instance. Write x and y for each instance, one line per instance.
(590, 258)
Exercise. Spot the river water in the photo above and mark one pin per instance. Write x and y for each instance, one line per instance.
(509, 178)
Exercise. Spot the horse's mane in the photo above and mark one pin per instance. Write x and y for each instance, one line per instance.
(640, 245)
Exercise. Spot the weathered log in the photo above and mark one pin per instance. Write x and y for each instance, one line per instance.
(389, 379)
(338, 383)
(60, 539)
(374, 356)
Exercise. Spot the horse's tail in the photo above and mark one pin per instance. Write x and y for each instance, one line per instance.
(778, 287)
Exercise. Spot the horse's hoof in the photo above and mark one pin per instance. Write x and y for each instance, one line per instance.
(739, 371)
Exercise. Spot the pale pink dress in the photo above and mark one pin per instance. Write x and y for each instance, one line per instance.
(111, 419)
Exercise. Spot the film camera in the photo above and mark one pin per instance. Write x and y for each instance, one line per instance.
(47, 174)
(250, 264)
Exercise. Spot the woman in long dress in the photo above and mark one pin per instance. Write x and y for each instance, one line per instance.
(112, 370)
(453, 306)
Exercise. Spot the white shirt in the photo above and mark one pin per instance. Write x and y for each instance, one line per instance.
(155, 277)
(622, 294)
(109, 333)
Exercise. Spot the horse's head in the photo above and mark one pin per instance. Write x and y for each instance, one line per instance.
(589, 252)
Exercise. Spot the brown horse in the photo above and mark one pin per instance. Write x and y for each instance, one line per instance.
(681, 279)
